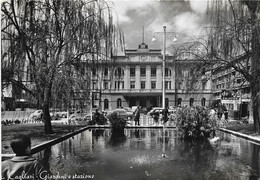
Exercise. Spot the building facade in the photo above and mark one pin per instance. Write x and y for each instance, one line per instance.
(135, 78)
(232, 90)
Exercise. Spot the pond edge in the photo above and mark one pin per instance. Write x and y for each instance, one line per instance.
(46, 144)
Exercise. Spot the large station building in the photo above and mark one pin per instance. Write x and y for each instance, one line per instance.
(135, 78)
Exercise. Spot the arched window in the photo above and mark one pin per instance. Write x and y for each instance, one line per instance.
(168, 72)
(191, 101)
(119, 103)
(119, 72)
(106, 106)
(166, 102)
(203, 101)
(179, 101)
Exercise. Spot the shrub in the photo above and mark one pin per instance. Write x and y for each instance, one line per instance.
(99, 119)
(17, 121)
(117, 124)
(195, 123)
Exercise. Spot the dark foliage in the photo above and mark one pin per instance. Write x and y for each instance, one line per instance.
(195, 123)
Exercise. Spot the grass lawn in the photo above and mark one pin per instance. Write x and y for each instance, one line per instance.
(35, 131)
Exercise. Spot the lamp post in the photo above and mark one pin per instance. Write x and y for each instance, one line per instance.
(163, 81)
(163, 62)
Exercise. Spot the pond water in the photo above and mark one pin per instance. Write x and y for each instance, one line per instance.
(139, 154)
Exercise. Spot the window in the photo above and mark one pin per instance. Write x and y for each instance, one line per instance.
(143, 71)
(153, 72)
(132, 71)
(204, 85)
(168, 72)
(168, 85)
(179, 101)
(119, 72)
(106, 103)
(95, 96)
(179, 85)
(105, 85)
(167, 102)
(203, 102)
(142, 84)
(119, 84)
(119, 103)
(153, 85)
(94, 85)
(132, 84)
(191, 101)
(106, 72)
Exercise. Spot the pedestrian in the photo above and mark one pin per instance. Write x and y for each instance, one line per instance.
(137, 116)
(23, 165)
(156, 117)
(165, 115)
(220, 111)
(225, 112)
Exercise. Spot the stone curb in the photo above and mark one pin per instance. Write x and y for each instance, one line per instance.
(46, 144)
(245, 136)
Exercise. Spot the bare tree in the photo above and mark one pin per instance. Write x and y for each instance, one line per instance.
(232, 40)
(47, 41)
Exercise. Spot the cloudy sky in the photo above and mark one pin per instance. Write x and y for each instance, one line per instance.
(184, 17)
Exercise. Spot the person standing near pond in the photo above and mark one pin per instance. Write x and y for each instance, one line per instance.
(23, 165)
(137, 116)
(165, 115)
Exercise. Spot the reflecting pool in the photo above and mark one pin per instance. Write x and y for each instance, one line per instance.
(150, 154)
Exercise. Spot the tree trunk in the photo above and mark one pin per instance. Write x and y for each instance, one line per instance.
(47, 119)
(255, 83)
(46, 112)
(255, 93)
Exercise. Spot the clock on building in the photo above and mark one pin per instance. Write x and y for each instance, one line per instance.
(143, 57)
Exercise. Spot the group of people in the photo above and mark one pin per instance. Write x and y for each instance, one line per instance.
(165, 114)
(219, 110)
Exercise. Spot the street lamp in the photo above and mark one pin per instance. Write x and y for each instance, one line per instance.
(164, 49)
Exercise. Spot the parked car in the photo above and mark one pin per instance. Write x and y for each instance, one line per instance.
(123, 113)
(155, 110)
(79, 115)
(36, 115)
(57, 113)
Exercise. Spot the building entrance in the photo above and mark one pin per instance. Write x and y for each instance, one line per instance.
(144, 101)
(244, 109)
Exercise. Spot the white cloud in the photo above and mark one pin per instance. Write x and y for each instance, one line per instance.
(188, 23)
(199, 6)
(185, 19)
(122, 7)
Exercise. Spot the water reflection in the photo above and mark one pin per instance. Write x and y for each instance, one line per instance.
(137, 155)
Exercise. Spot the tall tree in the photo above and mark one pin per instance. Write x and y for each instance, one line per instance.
(232, 40)
(47, 41)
